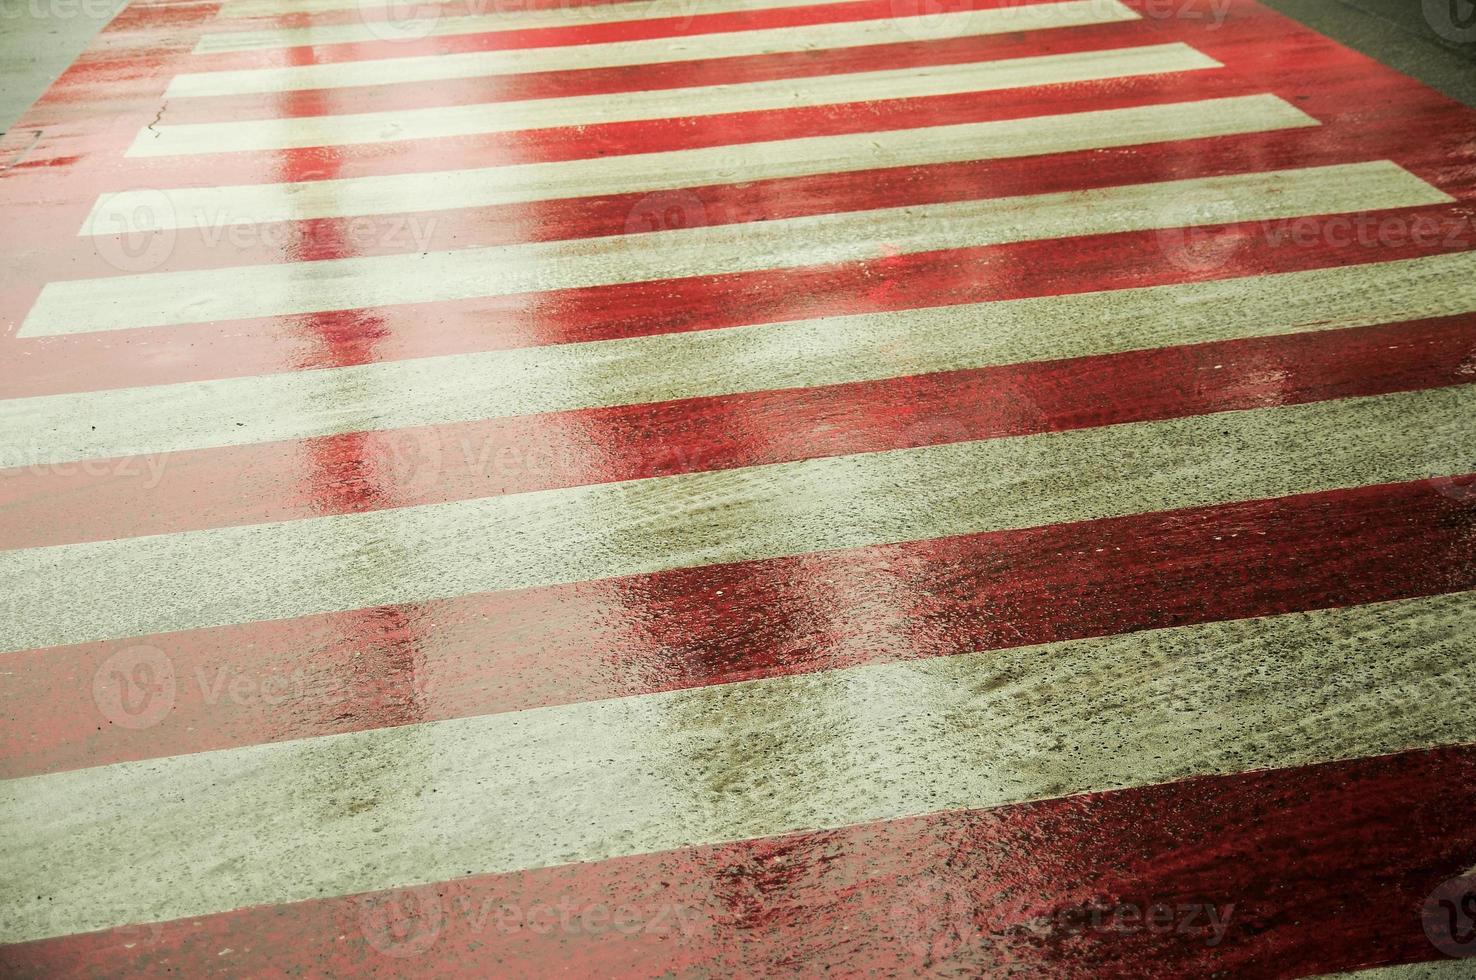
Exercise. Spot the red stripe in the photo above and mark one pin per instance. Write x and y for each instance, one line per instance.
(161, 493)
(247, 347)
(1275, 52)
(1351, 90)
(258, 352)
(98, 94)
(668, 75)
(230, 18)
(488, 653)
(50, 228)
(1325, 865)
(667, 19)
(653, 135)
(689, 22)
(634, 137)
(648, 136)
(1319, 868)
(768, 200)
(155, 356)
(75, 257)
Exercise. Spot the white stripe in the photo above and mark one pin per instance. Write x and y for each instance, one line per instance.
(426, 20)
(649, 51)
(198, 296)
(833, 350)
(264, 825)
(121, 588)
(592, 110)
(217, 207)
(1462, 969)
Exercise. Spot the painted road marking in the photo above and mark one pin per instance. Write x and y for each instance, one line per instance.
(665, 367)
(214, 207)
(599, 109)
(282, 289)
(432, 24)
(114, 589)
(649, 51)
(655, 772)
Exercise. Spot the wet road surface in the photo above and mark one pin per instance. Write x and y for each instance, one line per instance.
(736, 488)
